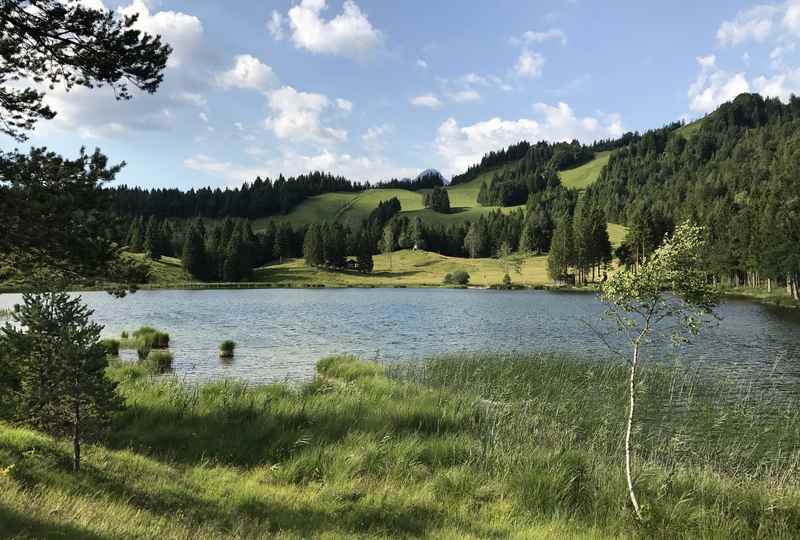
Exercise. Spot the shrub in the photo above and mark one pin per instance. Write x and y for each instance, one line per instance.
(158, 362)
(124, 334)
(111, 346)
(226, 349)
(459, 277)
(152, 337)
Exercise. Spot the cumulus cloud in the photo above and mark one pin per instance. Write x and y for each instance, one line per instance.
(248, 72)
(349, 33)
(753, 24)
(182, 31)
(290, 163)
(422, 64)
(93, 113)
(714, 86)
(344, 105)
(459, 147)
(426, 100)
(529, 64)
(296, 116)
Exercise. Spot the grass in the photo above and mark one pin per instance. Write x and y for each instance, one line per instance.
(165, 271)
(408, 268)
(585, 175)
(227, 348)
(459, 447)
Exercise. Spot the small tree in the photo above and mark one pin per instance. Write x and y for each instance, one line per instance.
(638, 303)
(388, 242)
(61, 386)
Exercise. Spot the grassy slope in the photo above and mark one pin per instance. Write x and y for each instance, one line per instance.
(357, 454)
(408, 268)
(585, 175)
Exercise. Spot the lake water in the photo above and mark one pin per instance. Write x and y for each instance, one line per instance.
(281, 333)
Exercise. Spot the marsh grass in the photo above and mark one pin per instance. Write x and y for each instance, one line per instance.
(457, 447)
(158, 362)
(111, 346)
(226, 349)
(144, 340)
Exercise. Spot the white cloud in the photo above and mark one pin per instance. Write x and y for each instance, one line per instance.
(422, 64)
(465, 96)
(459, 147)
(530, 64)
(348, 34)
(248, 72)
(182, 31)
(203, 116)
(426, 100)
(373, 139)
(754, 24)
(714, 86)
(791, 18)
(357, 168)
(297, 117)
(344, 105)
(540, 37)
(275, 25)
(92, 113)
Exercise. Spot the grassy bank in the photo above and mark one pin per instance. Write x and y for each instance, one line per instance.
(461, 447)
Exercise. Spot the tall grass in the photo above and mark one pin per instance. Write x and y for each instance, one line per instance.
(457, 447)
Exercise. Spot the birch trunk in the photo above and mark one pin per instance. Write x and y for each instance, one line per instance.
(631, 403)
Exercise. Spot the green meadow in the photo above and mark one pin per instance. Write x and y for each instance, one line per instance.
(455, 447)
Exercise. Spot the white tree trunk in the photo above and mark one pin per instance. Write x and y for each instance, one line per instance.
(631, 403)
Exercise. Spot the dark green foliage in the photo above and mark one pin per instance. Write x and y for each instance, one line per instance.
(68, 44)
(226, 349)
(334, 245)
(59, 368)
(437, 200)
(111, 346)
(53, 216)
(493, 160)
(737, 176)
(562, 251)
(283, 240)
(256, 199)
(364, 260)
(459, 277)
(313, 247)
(426, 180)
(194, 257)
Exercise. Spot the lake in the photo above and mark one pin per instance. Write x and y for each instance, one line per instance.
(281, 333)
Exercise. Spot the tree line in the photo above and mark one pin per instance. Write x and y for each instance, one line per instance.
(737, 175)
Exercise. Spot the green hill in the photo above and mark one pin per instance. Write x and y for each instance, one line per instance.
(585, 175)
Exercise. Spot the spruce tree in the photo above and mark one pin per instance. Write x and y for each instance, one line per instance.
(313, 249)
(194, 258)
(364, 253)
(60, 368)
(561, 250)
(153, 244)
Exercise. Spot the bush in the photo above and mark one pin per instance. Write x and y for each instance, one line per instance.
(152, 337)
(226, 349)
(459, 277)
(111, 346)
(158, 362)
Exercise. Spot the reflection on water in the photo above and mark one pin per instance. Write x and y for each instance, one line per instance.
(281, 333)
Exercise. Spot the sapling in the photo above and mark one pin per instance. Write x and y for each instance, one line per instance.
(670, 289)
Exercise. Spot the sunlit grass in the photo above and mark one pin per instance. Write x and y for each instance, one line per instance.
(456, 447)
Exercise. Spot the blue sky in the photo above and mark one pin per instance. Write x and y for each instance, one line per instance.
(374, 89)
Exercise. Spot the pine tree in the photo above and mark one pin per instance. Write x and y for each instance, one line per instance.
(62, 387)
(137, 235)
(193, 257)
(313, 249)
(364, 253)
(561, 250)
(153, 244)
(283, 239)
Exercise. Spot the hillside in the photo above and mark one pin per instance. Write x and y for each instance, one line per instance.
(352, 208)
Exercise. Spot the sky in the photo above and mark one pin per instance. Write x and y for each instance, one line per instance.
(372, 89)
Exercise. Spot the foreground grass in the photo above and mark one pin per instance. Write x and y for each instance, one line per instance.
(464, 447)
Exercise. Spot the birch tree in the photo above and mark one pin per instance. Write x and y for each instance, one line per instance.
(668, 289)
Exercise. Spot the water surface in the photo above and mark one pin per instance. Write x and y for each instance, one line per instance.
(281, 333)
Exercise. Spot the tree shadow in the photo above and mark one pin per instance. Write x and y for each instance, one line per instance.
(16, 525)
